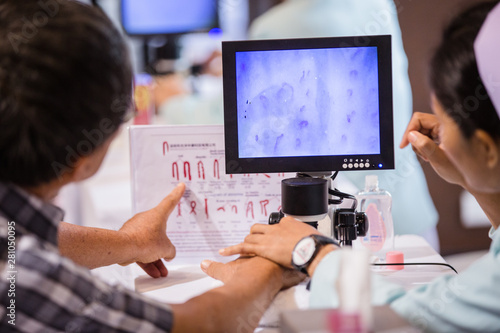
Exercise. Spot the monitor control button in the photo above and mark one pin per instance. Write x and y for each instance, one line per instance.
(350, 165)
(344, 165)
(356, 165)
(367, 165)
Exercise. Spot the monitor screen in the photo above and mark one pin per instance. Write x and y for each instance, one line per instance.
(159, 17)
(308, 105)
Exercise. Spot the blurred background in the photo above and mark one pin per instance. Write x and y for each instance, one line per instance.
(177, 59)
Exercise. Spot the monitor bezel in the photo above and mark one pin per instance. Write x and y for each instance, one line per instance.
(382, 161)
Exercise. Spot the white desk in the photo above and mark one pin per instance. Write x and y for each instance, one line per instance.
(185, 282)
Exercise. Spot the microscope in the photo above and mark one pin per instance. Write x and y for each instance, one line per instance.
(307, 199)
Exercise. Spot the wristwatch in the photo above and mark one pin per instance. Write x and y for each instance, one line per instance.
(306, 250)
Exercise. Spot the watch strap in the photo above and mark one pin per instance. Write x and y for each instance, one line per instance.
(323, 240)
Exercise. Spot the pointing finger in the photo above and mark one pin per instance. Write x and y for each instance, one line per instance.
(167, 205)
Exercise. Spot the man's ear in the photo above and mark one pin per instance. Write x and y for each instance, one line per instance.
(81, 169)
(87, 165)
(488, 147)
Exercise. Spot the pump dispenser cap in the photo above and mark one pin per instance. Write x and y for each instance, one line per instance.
(371, 182)
(395, 257)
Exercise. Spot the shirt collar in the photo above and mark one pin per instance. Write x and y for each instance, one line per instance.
(30, 212)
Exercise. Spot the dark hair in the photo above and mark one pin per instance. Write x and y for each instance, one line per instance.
(65, 86)
(455, 78)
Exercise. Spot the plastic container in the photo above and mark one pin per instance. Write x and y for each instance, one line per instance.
(376, 203)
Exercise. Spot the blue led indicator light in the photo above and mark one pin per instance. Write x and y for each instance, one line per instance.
(380, 166)
(215, 33)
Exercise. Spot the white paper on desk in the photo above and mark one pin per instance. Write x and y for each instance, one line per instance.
(217, 210)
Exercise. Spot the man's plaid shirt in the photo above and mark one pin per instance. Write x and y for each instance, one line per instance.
(41, 291)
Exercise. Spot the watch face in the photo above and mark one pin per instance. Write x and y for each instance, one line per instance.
(303, 251)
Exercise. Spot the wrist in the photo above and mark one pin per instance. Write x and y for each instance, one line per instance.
(279, 279)
(257, 271)
(274, 275)
(131, 247)
(321, 254)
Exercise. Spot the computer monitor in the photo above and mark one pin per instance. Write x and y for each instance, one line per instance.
(308, 105)
(161, 17)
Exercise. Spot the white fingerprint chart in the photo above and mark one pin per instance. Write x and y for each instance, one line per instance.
(216, 210)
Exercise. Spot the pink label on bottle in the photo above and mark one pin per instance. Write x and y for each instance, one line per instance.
(376, 229)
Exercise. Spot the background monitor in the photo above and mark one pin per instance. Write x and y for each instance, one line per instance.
(160, 17)
(308, 105)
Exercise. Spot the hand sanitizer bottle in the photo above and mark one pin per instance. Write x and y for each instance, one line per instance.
(376, 203)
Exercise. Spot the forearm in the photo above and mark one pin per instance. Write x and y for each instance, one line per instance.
(94, 247)
(235, 307)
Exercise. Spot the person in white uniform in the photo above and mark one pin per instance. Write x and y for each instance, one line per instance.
(461, 141)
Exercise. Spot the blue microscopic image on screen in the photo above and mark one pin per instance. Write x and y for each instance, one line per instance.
(167, 17)
(308, 102)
